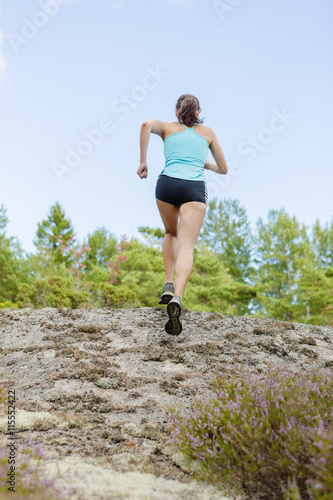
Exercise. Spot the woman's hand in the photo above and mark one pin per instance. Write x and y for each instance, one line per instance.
(212, 166)
(143, 170)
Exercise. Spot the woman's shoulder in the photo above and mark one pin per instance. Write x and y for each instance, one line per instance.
(206, 132)
(177, 124)
(205, 128)
(174, 127)
(172, 124)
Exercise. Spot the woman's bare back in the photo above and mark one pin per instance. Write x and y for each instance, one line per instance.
(176, 127)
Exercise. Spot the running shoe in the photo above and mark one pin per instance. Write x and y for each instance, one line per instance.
(174, 310)
(167, 293)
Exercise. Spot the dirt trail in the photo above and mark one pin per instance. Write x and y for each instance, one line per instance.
(93, 385)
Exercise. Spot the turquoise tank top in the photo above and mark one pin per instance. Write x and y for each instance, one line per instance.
(185, 155)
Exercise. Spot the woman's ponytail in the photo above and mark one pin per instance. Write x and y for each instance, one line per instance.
(187, 107)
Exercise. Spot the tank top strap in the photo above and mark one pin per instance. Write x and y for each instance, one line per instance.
(193, 126)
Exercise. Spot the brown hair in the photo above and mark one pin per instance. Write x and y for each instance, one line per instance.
(187, 107)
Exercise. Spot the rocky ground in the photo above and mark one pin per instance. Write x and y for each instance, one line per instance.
(93, 385)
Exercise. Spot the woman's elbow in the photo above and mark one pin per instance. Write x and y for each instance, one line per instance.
(224, 169)
(146, 124)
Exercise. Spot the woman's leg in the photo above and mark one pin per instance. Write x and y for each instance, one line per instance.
(192, 215)
(170, 217)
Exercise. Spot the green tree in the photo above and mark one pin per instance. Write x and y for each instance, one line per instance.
(210, 287)
(142, 272)
(226, 231)
(43, 264)
(14, 267)
(153, 236)
(102, 245)
(48, 231)
(3, 218)
(314, 294)
(322, 243)
(283, 248)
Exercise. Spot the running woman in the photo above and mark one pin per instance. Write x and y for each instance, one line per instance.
(181, 194)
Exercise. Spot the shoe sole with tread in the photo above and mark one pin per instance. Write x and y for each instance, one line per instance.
(174, 325)
(166, 297)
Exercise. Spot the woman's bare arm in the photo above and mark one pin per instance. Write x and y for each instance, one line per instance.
(148, 127)
(221, 166)
(156, 127)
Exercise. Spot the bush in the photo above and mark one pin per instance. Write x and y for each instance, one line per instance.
(116, 295)
(30, 477)
(54, 291)
(31, 481)
(3, 397)
(8, 304)
(316, 320)
(269, 433)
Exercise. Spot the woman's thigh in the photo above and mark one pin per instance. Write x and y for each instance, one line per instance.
(192, 215)
(169, 215)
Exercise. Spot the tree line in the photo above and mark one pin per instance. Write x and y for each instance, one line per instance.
(279, 269)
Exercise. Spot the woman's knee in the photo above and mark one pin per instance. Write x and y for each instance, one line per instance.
(170, 232)
(186, 246)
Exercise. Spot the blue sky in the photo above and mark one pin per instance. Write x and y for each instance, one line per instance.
(78, 78)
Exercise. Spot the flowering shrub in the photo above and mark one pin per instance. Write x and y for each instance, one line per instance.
(30, 480)
(271, 433)
(120, 257)
(3, 397)
(76, 256)
(30, 477)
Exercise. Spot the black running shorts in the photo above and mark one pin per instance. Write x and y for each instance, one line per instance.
(178, 191)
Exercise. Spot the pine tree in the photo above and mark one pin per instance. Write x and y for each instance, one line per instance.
(14, 267)
(314, 294)
(103, 246)
(226, 231)
(153, 236)
(3, 219)
(322, 242)
(57, 224)
(283, 248)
